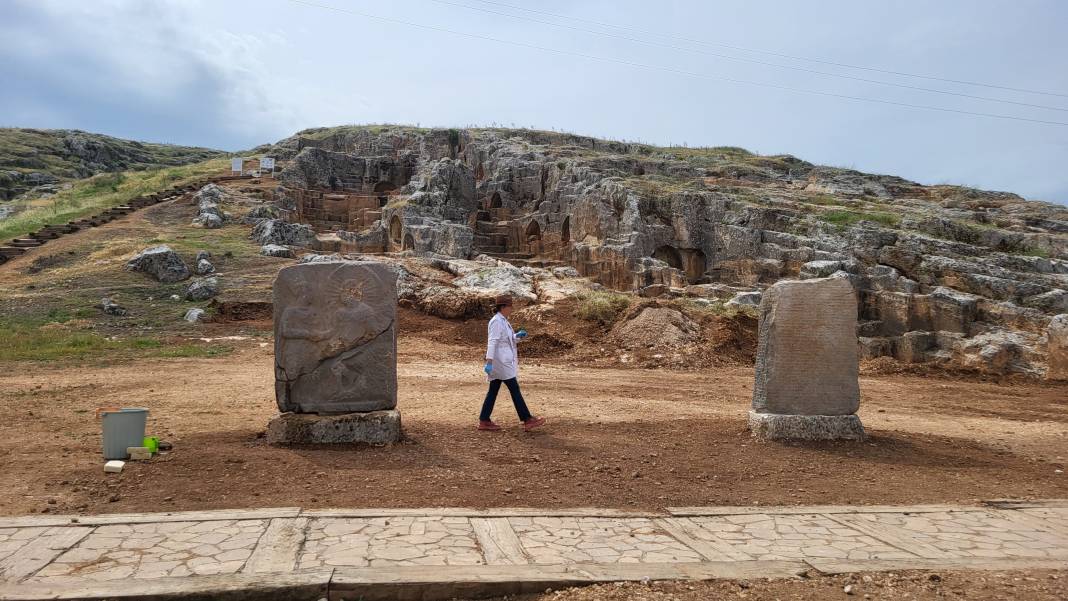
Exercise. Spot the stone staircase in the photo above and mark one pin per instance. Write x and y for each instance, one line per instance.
(20, 246)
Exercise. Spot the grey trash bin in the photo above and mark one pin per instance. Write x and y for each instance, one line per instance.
(123, 428)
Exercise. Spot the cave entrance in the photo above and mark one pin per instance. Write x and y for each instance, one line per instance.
(382, 190)
(532, 237)
(533, 231)
(395, 230)
(695, 265)
(495, 201)
(669, 255)
(409, 242)
(565, 230)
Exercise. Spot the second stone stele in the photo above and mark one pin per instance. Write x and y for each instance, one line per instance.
(336, 354)
(807, 364)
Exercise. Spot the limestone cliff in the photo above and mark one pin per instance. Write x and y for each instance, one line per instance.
(942, 273)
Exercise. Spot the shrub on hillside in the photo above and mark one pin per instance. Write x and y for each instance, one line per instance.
(602, 307)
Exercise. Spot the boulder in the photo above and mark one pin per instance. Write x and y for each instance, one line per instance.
(202, 255)
(259, 213)
(202, 289)
(111, 307)
(161, 263)
(565, 272)
(209, 221)
(1057, 346)
(204, 267)
(502, 279)
(274, 250)
(807, 362)
(194, 315)
(335, 338)
(746, 299)
(449, 302)
(283, 233)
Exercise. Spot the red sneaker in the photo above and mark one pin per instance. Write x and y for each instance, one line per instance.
(533, 422)
(488, 425)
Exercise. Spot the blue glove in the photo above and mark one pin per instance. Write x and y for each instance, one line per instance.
(488, 369)
(521, 334)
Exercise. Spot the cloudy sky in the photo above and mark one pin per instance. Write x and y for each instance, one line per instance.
(232, 74)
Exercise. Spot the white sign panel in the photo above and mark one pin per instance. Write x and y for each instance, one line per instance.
(237, 165)
(267, 164)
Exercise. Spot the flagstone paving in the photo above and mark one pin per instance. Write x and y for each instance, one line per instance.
(74, 551)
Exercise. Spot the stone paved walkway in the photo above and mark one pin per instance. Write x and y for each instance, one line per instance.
(442, 552)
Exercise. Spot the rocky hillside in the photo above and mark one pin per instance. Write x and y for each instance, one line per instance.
(944, 274)
(42, 158)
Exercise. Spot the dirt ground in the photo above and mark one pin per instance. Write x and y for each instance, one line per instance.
(627, 438)
(618, 435)
(1037, 585)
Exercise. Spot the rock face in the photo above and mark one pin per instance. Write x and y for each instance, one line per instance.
(807, 362)
(161, 263)
(1057, 336)
(335, 338)
(951, 263)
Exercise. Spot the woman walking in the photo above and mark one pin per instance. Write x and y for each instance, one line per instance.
(502, 364)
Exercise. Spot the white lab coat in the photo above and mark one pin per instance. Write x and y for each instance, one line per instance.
(501, 348)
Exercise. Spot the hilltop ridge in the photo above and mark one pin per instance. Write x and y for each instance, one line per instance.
(31, 158)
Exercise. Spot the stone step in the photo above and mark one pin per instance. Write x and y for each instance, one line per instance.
(507, 256)
(11, 251)
(25, 243)
(539, 263)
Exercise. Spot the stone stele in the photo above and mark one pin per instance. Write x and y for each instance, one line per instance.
(335, 347)
(807, 362)
(1057, 336)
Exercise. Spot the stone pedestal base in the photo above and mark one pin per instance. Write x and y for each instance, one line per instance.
(771, 426)
(373, 427)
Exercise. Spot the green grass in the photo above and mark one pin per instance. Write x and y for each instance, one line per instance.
(53, 337)
(601, 307)
(1033, 251)
(822, 200)
(845, 218)
(95, 194)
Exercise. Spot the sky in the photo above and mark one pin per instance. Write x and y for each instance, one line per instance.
(233, 74)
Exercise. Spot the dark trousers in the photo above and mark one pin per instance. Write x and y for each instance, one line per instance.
(517, 399)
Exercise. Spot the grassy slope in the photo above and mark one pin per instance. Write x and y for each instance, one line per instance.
(49, 306)
(92, 195)
(70, 154)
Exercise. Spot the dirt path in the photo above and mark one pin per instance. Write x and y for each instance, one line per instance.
(617, 438)
(1036, 585)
